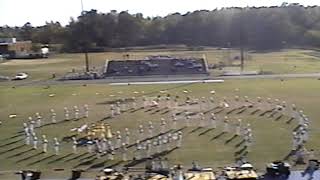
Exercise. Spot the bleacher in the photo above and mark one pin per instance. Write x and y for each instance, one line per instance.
(156, 66)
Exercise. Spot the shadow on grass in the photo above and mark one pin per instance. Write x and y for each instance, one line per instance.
(149, 110)
(114, 164)
(279, 117)
(230, 139)
(155, 136)
(60, 158)
(242, 150)
(266, 112)
(78, 156)
(88, 162)
(156, 111)
(296, 128)
(180, 113)
(58, 122)
(177, 130)
(195, 130)
(12, 149)
(98, 165)
(273, 114)
(218, 136)
(232, 110)
(193, 113)
(105, 118)
(21, 153)
(255, 112)
(245, 153)
(290, 120)
(74, 119)
(29, 157)
(20, 133)
(183, 104)
(239, 144)
(206, 131)
(291, 153)
(242, 111)
(41, 160)
(124, 111)
(10, 143)
(135, 110)
(217, 112)
(155, 156)
(206, 112)
(165, 112)
(88, 157)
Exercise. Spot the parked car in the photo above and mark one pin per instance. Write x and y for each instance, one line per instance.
(178, 64)
(21, 76)
(4, 78)
(4, 56)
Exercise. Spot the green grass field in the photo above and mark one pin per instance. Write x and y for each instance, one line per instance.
(25, 101)
(272, 139)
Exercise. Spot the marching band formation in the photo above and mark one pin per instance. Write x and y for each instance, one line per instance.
(158, 136)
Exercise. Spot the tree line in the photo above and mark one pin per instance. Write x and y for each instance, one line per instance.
(262, 28)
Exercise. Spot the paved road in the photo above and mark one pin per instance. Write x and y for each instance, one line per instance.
(158, 79)
(274, 76)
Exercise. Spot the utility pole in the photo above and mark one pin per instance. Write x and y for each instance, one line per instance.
(81, 6)
(85, 43)
(87, 59)
(242, 58)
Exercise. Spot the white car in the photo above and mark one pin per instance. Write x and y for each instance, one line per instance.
(21, 76)
(4, 78)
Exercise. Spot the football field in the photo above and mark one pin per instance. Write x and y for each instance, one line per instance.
(272, 135)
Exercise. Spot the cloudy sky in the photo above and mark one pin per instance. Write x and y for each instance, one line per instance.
(18, 12)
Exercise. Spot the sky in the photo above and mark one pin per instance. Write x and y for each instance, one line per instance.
(37, 12)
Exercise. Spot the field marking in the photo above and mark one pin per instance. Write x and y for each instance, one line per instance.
(168, 82)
